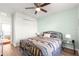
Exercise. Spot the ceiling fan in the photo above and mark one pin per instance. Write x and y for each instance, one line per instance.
(39, 7)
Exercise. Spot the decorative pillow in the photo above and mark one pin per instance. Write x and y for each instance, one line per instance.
(53, 35)
(47, 35)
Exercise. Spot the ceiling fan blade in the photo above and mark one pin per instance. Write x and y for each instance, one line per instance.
(30, 8)
(36, 4)
(43, 10)
(45, 4)
(35, 12)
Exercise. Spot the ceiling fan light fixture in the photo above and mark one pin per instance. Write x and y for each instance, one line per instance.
(37, 9)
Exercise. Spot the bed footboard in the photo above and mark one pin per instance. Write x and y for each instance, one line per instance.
(30, 50)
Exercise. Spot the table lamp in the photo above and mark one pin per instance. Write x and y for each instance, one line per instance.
(68, 37)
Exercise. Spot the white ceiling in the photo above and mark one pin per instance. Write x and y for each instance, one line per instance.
(20, 7)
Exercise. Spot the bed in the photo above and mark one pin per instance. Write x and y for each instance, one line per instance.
(48, 43)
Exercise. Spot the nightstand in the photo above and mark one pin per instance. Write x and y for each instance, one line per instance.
(72, 43)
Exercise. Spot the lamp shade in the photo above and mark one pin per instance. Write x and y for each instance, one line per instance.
(68, 36)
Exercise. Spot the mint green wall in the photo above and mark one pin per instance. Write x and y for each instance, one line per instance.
(65, 21)
(78, 26)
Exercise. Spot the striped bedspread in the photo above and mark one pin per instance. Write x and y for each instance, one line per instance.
(48, 46)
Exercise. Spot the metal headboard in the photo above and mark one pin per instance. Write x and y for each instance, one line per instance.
(59, 34)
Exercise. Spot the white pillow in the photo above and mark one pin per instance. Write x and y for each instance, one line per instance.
(47, 35)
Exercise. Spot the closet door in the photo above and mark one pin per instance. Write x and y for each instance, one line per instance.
(24, 27)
